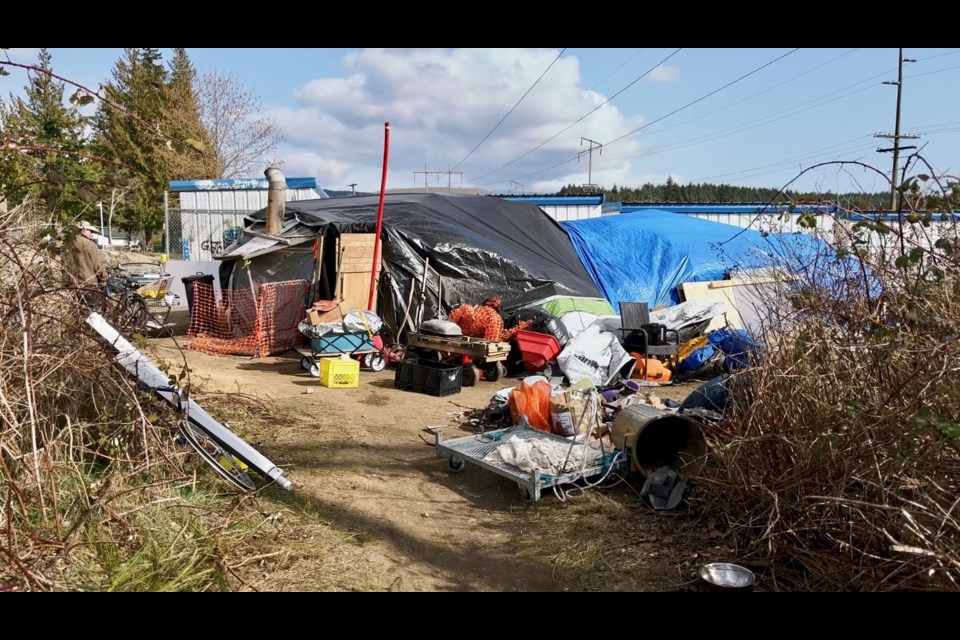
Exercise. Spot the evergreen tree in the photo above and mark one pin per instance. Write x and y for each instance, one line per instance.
(54, 133)
(189, 156)
(671, 191)
(135, 136)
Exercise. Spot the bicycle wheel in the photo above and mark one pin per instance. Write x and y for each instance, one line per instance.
(129, 313)
(227, 465)
(137, 315)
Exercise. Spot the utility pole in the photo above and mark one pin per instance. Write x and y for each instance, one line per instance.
(102, 230)
(353, 188)
(450, 171)
(896, 136)
(593, 145)
(516, 186)
(426, 176)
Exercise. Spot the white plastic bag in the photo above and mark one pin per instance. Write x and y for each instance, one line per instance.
(594, 355)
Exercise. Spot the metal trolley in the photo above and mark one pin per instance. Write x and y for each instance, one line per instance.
(473, 450)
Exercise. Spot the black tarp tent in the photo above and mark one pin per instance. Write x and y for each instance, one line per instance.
(479, 245)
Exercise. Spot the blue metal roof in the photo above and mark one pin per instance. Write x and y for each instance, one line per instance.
(238, 184)
(730, 208)
(870, 216)
(558, 200)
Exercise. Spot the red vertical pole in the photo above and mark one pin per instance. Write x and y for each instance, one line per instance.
(383, 192)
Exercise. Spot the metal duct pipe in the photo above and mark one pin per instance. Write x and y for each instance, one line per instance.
(276, 200)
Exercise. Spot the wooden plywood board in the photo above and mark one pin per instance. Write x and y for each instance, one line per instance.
(720, 284)
(355, 256)
(702, 291)
(357, 252)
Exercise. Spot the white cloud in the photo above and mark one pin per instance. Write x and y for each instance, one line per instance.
(441, 103)
(664, 73)
(311, 164)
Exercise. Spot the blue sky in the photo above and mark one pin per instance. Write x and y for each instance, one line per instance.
(444, 106)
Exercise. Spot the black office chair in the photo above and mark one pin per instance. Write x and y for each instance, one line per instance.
(642, 336)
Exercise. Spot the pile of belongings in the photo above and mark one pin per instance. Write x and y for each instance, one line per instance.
(353, 322)
(733, 349)
(592, 336)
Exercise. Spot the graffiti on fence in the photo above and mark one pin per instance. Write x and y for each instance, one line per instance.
(203, 235)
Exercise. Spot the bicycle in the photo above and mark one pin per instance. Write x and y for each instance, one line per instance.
(135, 287)
(126, 308)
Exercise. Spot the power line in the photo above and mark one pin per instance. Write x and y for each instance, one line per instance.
(511, 109)
(926, 129)
(939, 55)
(792, 159)
(930, 73)
(747, 126)
(758, 122)
(678, 110)
(763, 120)
(752, 96)
(794, 111)
(580, 119)
(779, 167)
(639, 51)
(704, 97)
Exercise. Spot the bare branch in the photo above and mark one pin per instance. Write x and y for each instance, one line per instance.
(243, 140)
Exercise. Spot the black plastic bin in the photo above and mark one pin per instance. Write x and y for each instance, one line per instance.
(429, 376)
(190, 281)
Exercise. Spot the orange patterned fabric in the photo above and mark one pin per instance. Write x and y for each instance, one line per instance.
(488, 323)
(484, 321)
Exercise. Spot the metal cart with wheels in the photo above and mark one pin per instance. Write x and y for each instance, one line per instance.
(473, 449)
(362, 346)
(149, 282)
(475, 354)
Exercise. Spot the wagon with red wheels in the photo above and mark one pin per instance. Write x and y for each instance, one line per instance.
(481, 359)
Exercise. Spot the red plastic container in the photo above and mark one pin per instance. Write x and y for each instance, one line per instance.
(537, 349)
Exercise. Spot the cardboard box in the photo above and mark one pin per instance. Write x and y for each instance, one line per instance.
(324, 312)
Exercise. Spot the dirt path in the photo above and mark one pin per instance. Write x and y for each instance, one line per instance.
(391, 515)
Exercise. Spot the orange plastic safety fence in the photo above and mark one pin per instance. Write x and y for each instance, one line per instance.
(484, 322)
(251, 322)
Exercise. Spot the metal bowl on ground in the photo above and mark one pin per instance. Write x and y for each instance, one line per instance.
(723, 576)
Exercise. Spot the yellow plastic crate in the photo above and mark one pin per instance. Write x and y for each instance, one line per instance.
(339, 374)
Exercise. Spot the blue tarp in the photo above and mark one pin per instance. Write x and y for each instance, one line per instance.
(644, 255)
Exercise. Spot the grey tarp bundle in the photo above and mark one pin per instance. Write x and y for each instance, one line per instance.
(479, 245)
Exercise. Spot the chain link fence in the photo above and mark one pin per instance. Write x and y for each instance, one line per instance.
(200, 235)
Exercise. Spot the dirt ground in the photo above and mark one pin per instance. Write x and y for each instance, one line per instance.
(374, 508)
